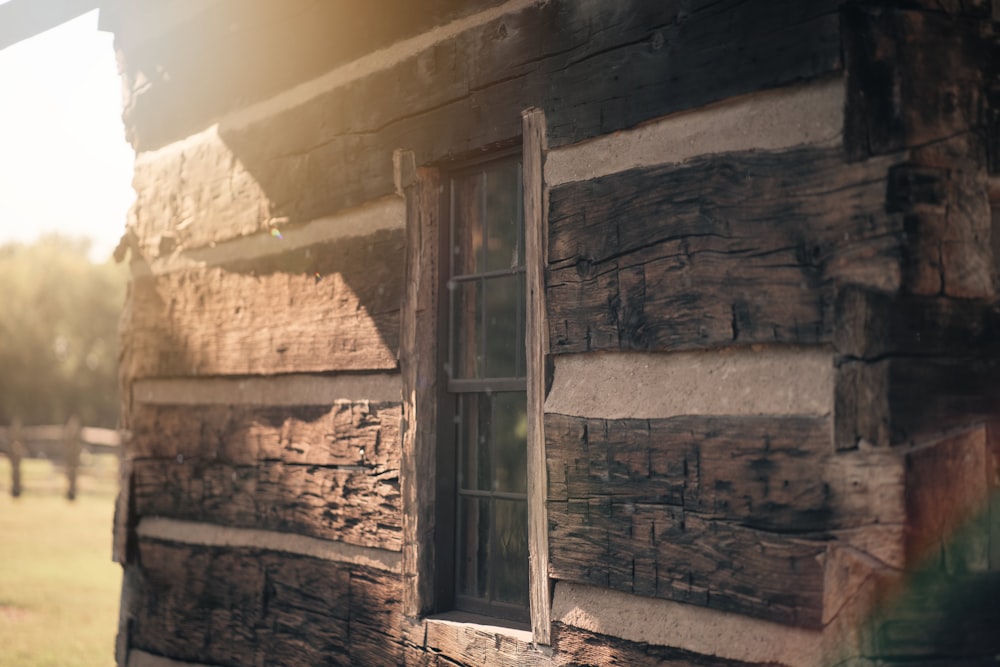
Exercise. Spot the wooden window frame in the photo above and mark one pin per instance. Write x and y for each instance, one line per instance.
(454, 390)
(423, 349)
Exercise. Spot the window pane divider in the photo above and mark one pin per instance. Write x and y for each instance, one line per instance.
(484, 493)
(495, 273)
(468, 385)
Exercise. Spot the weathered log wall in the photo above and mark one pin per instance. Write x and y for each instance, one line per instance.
(780, 210)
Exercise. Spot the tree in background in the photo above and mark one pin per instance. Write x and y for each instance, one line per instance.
(59, 333)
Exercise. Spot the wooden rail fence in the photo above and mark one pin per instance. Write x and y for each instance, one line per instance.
(65, 443)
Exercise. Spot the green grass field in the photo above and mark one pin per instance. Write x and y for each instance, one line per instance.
(58, 587)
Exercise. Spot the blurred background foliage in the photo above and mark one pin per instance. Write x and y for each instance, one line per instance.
(59, 333)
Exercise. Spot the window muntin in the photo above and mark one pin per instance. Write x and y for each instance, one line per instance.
(487, 387)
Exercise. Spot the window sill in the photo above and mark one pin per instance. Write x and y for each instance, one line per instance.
(517, 631)
(458, 635)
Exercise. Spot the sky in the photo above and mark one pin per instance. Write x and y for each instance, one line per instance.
(64, 163)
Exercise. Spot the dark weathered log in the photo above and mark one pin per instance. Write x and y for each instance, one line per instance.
(468, 91)
(897, 96)
(875, 325)
(245, 607)
(772, 473)
(256, 49)
(702, 509)
(668, 57)
(332, 306)
(930, 395)
(736, 248)
(665, 551)
(907, 399)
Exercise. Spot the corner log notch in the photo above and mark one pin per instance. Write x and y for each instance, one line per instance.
(931, 363)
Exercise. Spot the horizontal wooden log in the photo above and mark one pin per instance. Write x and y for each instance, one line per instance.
(331, 473)
(876, 325)
(930, 395)
(356, 506)
(663, 551)
(323, 308)
(282, 44)
(243, 607)
(737, 248)
(911, 366)
(345, 434)
(772, 473)
(466, 91)
(910, 399)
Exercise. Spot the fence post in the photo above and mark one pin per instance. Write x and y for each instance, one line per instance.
(71, 442)
(15, 453)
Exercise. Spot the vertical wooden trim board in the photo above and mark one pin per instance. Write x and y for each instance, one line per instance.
(533, 137)
(418, 363)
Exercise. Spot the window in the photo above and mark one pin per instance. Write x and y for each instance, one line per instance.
(485, 398)
(472, 361)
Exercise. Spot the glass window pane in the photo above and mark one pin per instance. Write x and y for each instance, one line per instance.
(467, 224)
(510, 424)
(511, 562)
(467, 328)
(502, 304)
(475, 435)
(503, 214)
(473, 546)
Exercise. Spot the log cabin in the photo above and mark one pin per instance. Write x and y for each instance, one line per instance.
(560, 332)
